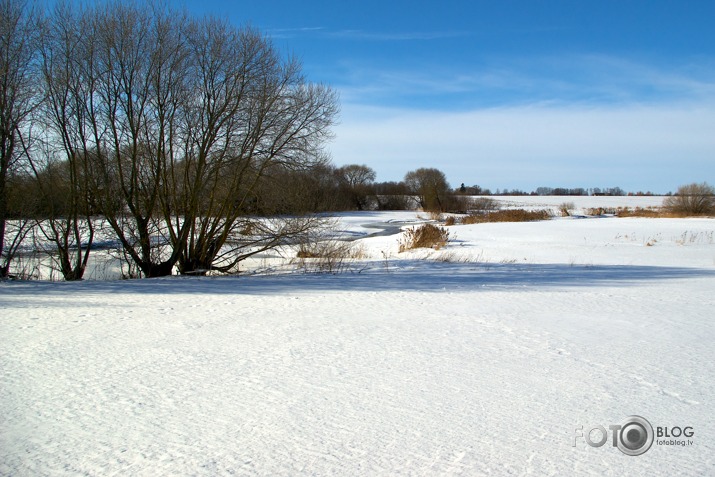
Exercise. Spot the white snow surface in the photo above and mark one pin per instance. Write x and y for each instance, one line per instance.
(478, 359)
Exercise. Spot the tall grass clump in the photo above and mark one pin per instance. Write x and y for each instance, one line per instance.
(327, 256)
(450, 220)
(424, 236)
(646, 212)
(507, 215)
(567, 208)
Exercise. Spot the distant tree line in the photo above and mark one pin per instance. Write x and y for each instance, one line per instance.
(610, 191)
(576, 191)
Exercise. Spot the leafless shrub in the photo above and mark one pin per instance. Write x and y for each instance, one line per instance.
(325, 250)
(567, 208)
(482, 205)
(692, 199)
(27, 267)
(14, 238)
(328, 256)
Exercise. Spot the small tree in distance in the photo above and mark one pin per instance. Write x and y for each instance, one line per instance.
(356, 183)
(431, 188)
(692, 199)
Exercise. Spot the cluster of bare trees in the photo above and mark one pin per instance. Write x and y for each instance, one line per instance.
(168, 127)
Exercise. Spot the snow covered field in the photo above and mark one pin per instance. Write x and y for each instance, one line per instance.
(482, 358)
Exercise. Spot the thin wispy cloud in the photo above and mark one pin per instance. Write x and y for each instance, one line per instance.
(583, 79)
(394, 36)
(363, 35)
(283, 33)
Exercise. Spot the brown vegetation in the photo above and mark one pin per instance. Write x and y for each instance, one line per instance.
(648, 212)
(424, 236)
(692, 199)
(507, 215)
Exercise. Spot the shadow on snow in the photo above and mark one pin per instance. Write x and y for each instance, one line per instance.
(421, 276)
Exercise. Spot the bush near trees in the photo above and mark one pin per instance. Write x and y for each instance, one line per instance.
(692, 199)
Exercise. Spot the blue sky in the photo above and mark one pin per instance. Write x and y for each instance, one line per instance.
(510, 94)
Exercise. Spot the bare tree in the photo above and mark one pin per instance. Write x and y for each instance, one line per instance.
(431, 188)
(18, 99)
(255, 114)
(61, 168)
(692, 199)
(137, 67)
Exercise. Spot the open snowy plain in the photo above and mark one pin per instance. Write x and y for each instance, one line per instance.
(491, 356)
